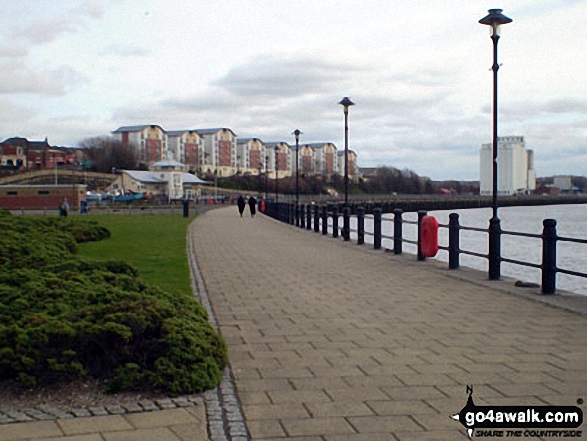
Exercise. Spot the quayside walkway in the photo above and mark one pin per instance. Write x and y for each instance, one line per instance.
(334, 342)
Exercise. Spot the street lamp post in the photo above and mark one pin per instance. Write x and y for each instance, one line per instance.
(346, 229)
(266, 175)
(494, 20)
(297, 134)
(276, 172)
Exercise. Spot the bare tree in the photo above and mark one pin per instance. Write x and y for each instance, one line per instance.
(106, 153)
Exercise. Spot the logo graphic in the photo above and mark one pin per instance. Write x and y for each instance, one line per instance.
(519, 420)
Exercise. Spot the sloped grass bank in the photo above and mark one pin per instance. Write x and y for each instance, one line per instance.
(64, 315)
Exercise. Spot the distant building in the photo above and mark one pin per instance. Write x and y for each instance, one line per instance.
(250, 156)
(353, 167)
(515, 167)
(166, 180)
(219, 151)
(34, 155)
(563, 183)
(325, 155)
(151, 140)
(285, 161)
(186, 146)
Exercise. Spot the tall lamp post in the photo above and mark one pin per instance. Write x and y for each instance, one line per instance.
(276, 172)
(297, 134)
(266, 174)
(346, 228)
(494, 20)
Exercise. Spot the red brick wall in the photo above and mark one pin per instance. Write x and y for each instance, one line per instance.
(224, 153)
(254, 158)
(50, 197)
(152, 150)
(191, 153)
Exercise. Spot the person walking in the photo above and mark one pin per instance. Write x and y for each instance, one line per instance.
(241, 205)
(252, 205)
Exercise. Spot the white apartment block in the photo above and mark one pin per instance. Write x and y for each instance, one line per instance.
(353, 167)
(250, 155)
(283, 160)
(186, 146)
(219, 152)
(515, 167)
(151, 140)
(326, 158)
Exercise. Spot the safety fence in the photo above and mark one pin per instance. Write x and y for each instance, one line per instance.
(322, 218)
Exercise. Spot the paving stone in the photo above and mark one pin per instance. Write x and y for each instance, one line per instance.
(160, 418)
(110, 423)
(32, 430)
(98, 411)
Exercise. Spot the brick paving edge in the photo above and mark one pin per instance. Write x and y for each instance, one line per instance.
(223, 408)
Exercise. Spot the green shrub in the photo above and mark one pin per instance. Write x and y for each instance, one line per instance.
(62, 317)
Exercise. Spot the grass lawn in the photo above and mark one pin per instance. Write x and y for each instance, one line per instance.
(153, 243)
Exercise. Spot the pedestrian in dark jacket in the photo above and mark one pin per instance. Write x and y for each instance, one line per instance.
(241, 205)
(252, 205)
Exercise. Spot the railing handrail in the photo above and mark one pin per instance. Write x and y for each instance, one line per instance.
(301, 216)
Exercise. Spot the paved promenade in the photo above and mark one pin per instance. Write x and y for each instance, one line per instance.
(333, 342)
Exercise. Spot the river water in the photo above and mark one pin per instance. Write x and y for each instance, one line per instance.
(571, 222)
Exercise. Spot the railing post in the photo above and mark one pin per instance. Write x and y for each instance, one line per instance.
(346, 222)
(421, 215)
(302, 213)
(454, 243)
(397, 231)
(335, 221)
(377, 228)
(297, 215)
(308, 217)
(325, 220)
(549, 239)
(494, 249)
(316, 218)
(360, 225)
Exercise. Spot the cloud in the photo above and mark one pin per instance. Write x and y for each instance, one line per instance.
(13, 51)
(16, 78)
(124, 50)
(284, 78)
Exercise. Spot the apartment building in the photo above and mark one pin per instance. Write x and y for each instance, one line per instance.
(219, 151)
(186, 146)
(151, 140)
(353, 167)
(251, 154)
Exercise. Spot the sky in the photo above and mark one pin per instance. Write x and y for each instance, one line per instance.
(419, 73)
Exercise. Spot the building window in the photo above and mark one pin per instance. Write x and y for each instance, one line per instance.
(11, 193)
(43, 192)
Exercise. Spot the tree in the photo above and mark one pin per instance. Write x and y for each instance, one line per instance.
(106, 154)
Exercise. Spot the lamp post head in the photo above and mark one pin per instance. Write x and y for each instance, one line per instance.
(346, 102)
(495, 19)
(297, 134)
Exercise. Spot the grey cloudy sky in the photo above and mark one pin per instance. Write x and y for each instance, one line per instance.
(418, 71)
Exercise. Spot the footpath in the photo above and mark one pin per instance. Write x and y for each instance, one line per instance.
(329, 341)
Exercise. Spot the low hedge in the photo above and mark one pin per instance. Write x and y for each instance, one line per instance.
(63, 318)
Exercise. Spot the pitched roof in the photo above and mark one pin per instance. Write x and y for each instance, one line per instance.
(181, 132)
(160, 177)
(276, 143)
(136, 128)
(214, 130)
(245, 140)
(320, 145)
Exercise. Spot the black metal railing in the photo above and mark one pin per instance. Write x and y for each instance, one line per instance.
(326, 218)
